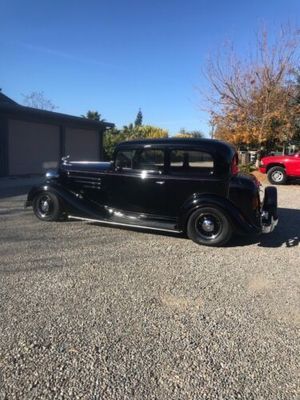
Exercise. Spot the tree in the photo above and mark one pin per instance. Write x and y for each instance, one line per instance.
(130, 132)
(296, 101)
(93, 115)
(114, 136)
(189, 134)
(129, 129)
(250, 101)
(38, 100)
(111, 138)
(150, 132)
(139, 119)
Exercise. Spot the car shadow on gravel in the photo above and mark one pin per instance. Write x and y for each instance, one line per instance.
(286, 233)
(140, 230)
(293, 182)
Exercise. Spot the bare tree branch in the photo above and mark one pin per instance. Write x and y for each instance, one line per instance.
(250, 100)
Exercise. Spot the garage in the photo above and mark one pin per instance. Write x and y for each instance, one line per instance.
(39, 140)
(34, 140)
(79, 151)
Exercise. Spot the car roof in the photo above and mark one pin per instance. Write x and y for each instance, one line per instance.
(211, 145)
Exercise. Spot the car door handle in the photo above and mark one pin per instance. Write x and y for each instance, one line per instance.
(160, 182)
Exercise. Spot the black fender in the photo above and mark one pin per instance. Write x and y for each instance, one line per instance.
(72, 203)
(239, 221)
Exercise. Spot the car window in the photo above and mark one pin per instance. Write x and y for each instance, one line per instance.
(124, 158)
(149, 159)
(191, 162)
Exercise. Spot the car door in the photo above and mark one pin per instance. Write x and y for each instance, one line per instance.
(191, 171)
(138, 181)
(294, 166)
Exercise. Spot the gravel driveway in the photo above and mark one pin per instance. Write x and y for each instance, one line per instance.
(91, 312)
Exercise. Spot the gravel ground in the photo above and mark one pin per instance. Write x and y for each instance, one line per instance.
(91, 312)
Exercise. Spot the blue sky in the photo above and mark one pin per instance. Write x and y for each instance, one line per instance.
(117, 56)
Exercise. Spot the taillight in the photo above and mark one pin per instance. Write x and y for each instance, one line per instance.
(234, 165)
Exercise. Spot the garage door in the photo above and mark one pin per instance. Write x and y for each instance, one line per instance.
(82, 144)
(33, 147)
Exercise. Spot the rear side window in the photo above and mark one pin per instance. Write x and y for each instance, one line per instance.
(191, 162)
(149, 159)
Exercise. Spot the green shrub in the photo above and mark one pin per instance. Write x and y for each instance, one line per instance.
(247, 168)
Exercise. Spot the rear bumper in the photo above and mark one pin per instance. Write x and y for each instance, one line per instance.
(269, 217)
(263, 169)
(268, 222)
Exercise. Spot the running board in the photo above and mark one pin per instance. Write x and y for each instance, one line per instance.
(103, 221)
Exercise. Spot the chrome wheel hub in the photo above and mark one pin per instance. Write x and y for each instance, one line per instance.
(277, 176)
(208, 225)
(45, 206)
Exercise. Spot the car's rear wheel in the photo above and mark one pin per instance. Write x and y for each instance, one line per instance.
(47, 207)
(277, 175)
(209, 226)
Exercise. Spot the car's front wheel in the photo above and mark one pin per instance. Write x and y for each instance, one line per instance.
(277, 175)
(209, 226)
(47, 207)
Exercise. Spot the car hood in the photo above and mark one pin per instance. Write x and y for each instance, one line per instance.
(269, 159)
(86, 166)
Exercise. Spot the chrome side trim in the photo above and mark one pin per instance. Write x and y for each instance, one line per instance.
(123, 224)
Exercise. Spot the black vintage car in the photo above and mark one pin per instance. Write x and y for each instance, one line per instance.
(189, 186)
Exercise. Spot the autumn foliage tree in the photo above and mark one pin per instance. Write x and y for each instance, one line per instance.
(252, 101)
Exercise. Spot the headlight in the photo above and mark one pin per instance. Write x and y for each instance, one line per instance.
(52, 174)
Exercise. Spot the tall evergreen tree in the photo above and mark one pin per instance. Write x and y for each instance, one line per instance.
(139, 119)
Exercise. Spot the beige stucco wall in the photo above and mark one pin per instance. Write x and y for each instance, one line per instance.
(33, 147)
(82, 144)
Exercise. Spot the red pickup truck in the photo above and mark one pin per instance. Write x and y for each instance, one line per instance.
(281, 168)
